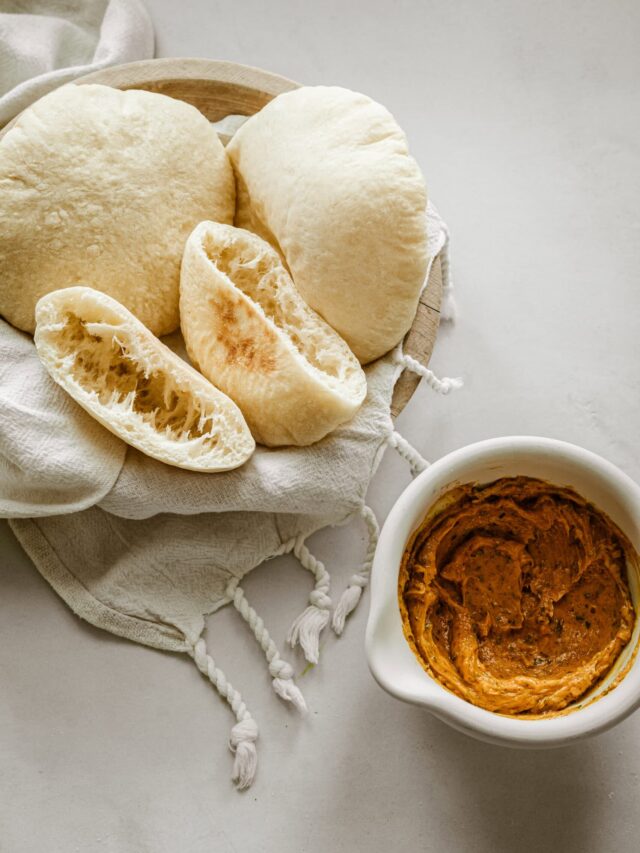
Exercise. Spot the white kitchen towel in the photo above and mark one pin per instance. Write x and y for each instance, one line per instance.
(147, 551)
(45, 43)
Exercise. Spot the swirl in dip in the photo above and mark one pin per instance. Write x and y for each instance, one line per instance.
(514, 595)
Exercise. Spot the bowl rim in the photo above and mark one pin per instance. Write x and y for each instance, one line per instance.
(422, 689)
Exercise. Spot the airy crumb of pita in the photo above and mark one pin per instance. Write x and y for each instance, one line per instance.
(250, 332)
(135, 386)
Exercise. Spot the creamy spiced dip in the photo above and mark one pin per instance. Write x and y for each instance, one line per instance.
(514, 595)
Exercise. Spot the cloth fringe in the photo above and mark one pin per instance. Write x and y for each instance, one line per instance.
(280, 670)
(360, 580)
(448, 307)
(287, 689)
(245, 733)
(305, 631)
(307, 627)
(441, 386)
(417, 463)
(242, 743)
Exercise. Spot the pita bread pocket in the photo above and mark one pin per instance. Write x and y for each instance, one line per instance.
(104, 186)
(250, 332)
(136, 386)
(325, 175)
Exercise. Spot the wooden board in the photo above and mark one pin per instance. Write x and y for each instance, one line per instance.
(421, 337)
(220, 88)
(216, 88)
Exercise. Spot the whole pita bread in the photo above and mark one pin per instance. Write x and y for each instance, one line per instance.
(136, 386)
(325, 175)
(249, 331)
(103, 186)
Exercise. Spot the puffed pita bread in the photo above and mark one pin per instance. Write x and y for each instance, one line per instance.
(136, 386)
(250, 332)
(103, 186)
(325, 175)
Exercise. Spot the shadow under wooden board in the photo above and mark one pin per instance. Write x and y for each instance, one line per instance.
(219, 89)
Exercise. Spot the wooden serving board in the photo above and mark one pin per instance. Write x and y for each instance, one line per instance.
(218, 89)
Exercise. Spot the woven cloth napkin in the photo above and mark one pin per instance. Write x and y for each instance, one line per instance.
(45, 43)
(148, 551)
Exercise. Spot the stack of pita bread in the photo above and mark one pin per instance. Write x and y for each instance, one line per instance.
(288, 260)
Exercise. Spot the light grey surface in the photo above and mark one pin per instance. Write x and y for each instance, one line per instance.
(524, 118)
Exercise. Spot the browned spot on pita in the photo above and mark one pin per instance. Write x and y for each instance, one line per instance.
(235, 321)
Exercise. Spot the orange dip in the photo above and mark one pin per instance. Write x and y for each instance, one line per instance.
(514, 595)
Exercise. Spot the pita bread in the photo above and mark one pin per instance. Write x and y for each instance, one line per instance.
(325, 175)
(135, 386)
(250, 332)
(105, 186)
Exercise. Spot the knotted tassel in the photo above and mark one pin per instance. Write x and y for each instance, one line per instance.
(243, 737)
(308, 626)
(286, 688)
(359, 581)
(245, 733)
(280, 671)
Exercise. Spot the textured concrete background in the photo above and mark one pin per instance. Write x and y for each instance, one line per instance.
(524, 118)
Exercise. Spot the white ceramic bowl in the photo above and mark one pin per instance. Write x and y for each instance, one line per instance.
(392, 661)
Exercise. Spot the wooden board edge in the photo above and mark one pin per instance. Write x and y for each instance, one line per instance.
(421, 337)
(146, 72)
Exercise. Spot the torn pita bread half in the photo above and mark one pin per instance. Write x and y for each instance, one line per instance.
(325, 175)
(136, 386)
(249, 331)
